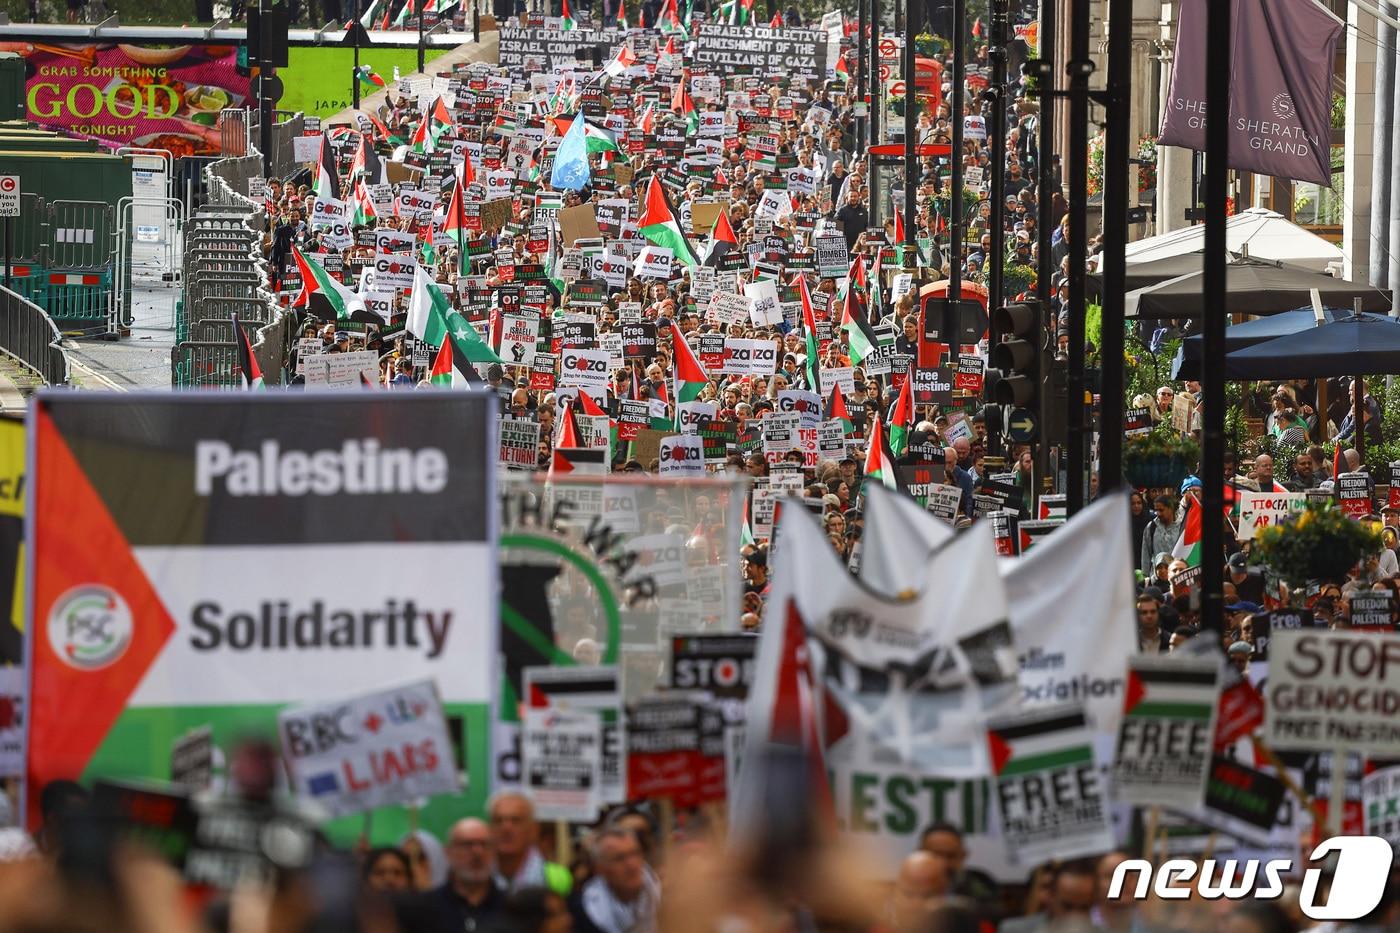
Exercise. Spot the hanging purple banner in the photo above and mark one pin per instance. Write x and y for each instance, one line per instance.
(1280, 87)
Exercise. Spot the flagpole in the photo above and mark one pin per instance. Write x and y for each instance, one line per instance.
(355, 75)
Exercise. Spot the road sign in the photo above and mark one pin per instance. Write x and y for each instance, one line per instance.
(9, 195)
(1021, 426)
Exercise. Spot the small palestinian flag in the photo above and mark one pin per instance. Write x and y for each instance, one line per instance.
(591, 409)
(901, 418)
(247, 362)
(1039, 741)
(690, 376)
(365, 75)
(879, 462)
(682, 105)
(859, 334)
(812, 366)
(327, 186)
(367, 164)
(836, 410)
(1188, 546)
(623, 60)
(622, 16)
(843, 71)
(568, 24)
(722, 239)
(777, 21)
(570, 456)
(647, 121)
(443, 374)
(658, 224)
(454, 224)
(364, 205)
(1171, 690)
(436, 122)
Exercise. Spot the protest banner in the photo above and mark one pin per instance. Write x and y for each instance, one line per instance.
(269, 594)
(550, 49)
(761, 50)
(743, 357)
(882, 770)
(1353, 492)
(591, 688)
(1165, 736)
(561, 758)
(1380, 795)
(369, 751)
(1333, 689)
(663, 744)
(1260, 510)
(342, 370)
(1371, 610)
(681, 455)
(1047, 788)
(586, 369)
(520, 443)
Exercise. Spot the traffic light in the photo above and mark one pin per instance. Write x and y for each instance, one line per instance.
(1017, 356)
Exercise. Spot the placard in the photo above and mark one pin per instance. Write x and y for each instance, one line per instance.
(561, 763)
(520, 443)
(377, 749)
(1334, 689)
(1166, 735)
(681, 455)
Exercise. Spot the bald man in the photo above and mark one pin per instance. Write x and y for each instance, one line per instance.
(923, 880)
(469, 900)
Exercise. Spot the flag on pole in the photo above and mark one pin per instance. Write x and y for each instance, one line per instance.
(879, 461)
(366, 75)
(436, 122)
(859, 334)
(247, 362)
(658, 224)
(623, 60)
(1188, 546)
(571, 169)
(443, 373)
(812, 364)
(647, 121)
(366, 164)
(722, 239)
(570, 456)
(567, 24)
(836, 410)
(431, 319)
(364, 205)
(622, 15)
(690, 375)
(777, 21)
(327, 298)
(901, 417)
(682, 105)
(327, 186)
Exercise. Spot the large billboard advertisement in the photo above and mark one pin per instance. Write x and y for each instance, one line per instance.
(128, 95)
(204, 560)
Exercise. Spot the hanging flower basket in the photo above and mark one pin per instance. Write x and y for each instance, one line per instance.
(1319, 543)
(1161, 458)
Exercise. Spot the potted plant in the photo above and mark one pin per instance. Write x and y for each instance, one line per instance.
(1159, 458)
(1318, 543)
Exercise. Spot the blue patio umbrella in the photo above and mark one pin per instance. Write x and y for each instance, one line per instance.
(1187, 364)
(1344, 347)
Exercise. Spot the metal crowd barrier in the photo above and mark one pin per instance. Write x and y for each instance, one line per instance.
(223, 269)
(29, 336)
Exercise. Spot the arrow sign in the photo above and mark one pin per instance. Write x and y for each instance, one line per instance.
(1021, 426)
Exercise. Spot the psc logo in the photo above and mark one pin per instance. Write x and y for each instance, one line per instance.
(90, 627)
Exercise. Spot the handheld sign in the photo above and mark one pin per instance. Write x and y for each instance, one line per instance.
(1334, 689)
(1165, 738)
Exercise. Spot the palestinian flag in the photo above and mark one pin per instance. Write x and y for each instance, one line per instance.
(836, 410)
(722, 240)
(898, 221)
(365, 75)
(622, 16)
(777, 21)
(367, 18)
(659, 225)
(843, 70)
(380, 130)
(746, 529)
(327, 186)
(431, 319)
(690, 376)
(647, 121)
(669, 20)
(326, 298)
(454, 224)
(682, 105)
(901, 417)
(364, 205)
(366, 163)
(568, 24)
(879, 462)
(444, 372)
(859, 334)
(1039, 741)
(1188, 546)
(1170, 689)
(570, 456)
(812, 365)
(247, 362)
(592, 410)
(436, 122)
(623, 60)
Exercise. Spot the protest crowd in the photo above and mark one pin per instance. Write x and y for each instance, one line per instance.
(666, 266)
